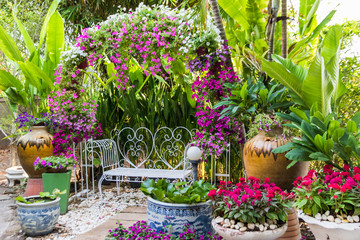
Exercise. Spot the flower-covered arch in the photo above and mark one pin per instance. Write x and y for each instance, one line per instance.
(155, 41)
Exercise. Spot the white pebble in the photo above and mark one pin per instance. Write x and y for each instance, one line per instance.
(237, 227)
(350, 219)
(232, 226)
(323, 217)
(272, 226)
(355, 218)
(226, 225)
(227, 221)
(327, 213)
(318, 216)
(261, 228)
(240, 224)
(219, 220)
(251, 226)
(243, 229)
(232, 222)
(337, 220)
(330, 218)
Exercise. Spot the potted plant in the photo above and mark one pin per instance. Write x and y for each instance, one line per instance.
(268, 132)
(140, 230)
(37, 141)
(250, 210)
(330, 203)
(39, 214)
(177, 204)
(56, 175)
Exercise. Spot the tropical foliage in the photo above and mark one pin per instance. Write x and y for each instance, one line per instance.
(31, 87)
(320, 83)
(334, 142)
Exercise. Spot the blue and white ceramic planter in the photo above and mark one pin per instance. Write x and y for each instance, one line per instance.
(38, 218)
(161, 214)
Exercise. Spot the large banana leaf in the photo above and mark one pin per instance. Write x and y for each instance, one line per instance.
(307, 12)
(55, 37)
(27, 39)
(284, 75)
(50, 12)
(7, 80)
(8, 46)
(317, 88)
(236, 9)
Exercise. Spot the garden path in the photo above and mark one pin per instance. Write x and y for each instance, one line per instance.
(126, 217)
(8, 223)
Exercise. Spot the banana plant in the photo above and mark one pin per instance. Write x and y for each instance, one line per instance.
(320, 83)
(324, 139)
(35, 74)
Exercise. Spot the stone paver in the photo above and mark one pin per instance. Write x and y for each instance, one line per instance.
(127, 217)
(8, 222)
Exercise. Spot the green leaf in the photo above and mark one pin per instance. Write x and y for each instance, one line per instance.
(50, 12)
(351, 126)
(302, 203)
(55, 37)
(298, 154)
(316, 88)
(27, 39)
(284, 148)
(319, 156)
(8, 46)
(236, 10)
(7, 80)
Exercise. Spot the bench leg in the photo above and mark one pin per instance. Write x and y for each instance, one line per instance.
(118, 185)
(99, 183)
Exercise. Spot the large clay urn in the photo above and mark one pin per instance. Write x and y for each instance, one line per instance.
(261, 163)
(37, 142)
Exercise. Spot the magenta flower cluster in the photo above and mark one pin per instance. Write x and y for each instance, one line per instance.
(140, 230)
(151, 37)
(75, 118)
(215, 132)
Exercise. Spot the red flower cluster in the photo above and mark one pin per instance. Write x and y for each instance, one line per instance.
(328, 190)
(251, 199)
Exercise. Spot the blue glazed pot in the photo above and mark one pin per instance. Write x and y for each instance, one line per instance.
(38, 218)
(161, 214)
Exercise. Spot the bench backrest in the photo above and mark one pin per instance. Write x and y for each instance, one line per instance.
(164, 149)
(140, 148)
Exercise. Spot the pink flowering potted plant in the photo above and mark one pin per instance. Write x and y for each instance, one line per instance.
(57, 176)
(250, 210)
(329, 201)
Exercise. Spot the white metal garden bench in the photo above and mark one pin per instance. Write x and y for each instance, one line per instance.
(133, 155)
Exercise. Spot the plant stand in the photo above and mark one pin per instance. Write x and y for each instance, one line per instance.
(60, 181)
(293, 230)
(34, 186)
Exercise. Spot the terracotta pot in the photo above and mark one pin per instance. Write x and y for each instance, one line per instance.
(293, 230)
(36, 143)
(261, 163)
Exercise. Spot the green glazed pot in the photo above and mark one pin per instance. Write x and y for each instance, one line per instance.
(60, 181)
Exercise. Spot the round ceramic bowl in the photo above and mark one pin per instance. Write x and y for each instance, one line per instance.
(233, 234)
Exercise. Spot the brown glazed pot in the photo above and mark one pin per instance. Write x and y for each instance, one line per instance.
(261, 163)
(37, 142)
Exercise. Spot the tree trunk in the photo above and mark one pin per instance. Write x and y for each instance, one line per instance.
(217, 18)
(284, 47)
(272, 21)
(219, 24)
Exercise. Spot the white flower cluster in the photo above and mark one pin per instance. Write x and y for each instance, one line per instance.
(72, 55)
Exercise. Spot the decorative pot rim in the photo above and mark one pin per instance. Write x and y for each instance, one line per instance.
(278, 230)
(326, 224)
(44, 204)
(207, 203)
